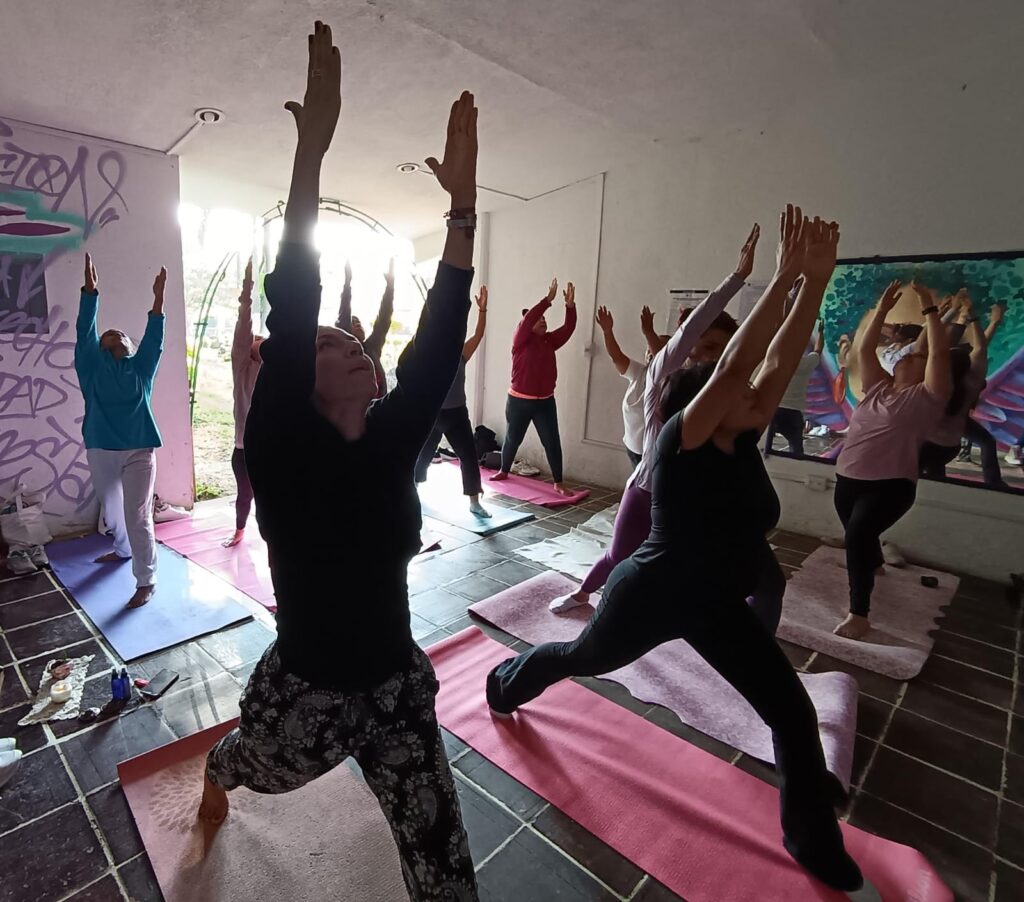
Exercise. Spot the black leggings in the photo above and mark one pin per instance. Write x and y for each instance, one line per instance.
(454, 425)
(935, 457)
(867, 508)
(519, 413)
(790, 423)
(977, 434)
(243, 503)
(644, 606)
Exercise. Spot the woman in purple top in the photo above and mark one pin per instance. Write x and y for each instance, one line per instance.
(876, 473)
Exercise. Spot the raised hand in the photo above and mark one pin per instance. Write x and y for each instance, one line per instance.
(552, 289)
(91, 280)
(646, 320)
(995, 316)
(317, 116)
(348, 272)
(481, 299)
(605, 319)
(247, 283)
(389, 276)
(746, 265)
(457, 172)
(891, 296)
(924, 294)
(569, 295)
(821, 243)
(158, 290)
(790, 255)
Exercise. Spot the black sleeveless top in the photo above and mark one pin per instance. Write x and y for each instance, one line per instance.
(710, 511)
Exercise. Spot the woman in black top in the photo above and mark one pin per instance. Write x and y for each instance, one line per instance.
(712, 507)
(344, 677)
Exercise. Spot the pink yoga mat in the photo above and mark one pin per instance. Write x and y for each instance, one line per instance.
(529, 489)
(245, 566)
(675, 676)
(705, 829)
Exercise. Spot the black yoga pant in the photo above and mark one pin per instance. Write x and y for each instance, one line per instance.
(454, 425)
(243, 502)
(519, 413)
(634, 458)
(644, 606)
(790, 423)
(867, 508)
(935, 457)
(980, 436)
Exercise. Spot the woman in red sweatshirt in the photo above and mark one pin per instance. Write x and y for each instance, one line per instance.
(531, 399)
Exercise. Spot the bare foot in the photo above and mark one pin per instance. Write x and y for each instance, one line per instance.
(213, 809)
(141, 596)
(853, 627)
(237, 537)
(111, 557)
(562, 489)
(500, 476)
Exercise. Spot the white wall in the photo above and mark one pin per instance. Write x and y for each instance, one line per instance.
(900, 178)
(120, 204)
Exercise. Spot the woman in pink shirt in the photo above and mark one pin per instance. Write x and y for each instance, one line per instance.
(876, 473)
(531, 399)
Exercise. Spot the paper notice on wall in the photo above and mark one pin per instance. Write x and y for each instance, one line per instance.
(748, 296)
(681, 299)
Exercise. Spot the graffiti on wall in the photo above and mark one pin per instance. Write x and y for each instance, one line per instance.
(50, 204)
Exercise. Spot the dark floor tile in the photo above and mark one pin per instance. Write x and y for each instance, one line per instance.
(25, 587)
(789, 557)
(668, 720)
(471, 558)
(48, 637)
(944, 800)
(968, 715)
(872, 716)
(977, 654)
(438, 606)
(433, 638)
(1009, 883)
(530, 533)
(975, 760)
(757, 768)
(962, 865)
(511, 573)
(237, 645)
(32, 610)
(794, 541)
(495, 782)
(597, 857)
(1014, 786)
(29, 738)
(498, 635)
(555, 526)
(189, 661)
(981, 589)
(968, 681)
(205, 703)
(242, 674)
(798, 656)
(453, 746)
(424, 576)
(487, 824)
(863, 751)
(5, 653)
(40, 785)
(419, 626)
(476, 587)
(32, 669)
(1010, 844)
(874, 684)
(572, 515)
(1017, 733)
(616, 693)
(50, 858)
(504, 543)
(529, 862)
(652, 891)
(11, 691)
(140, 881)
(105, 890)
(997, 611)
(110, 808)
(975, 627)
(94, 755)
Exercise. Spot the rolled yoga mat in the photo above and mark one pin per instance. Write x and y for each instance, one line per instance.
(675, 676)
(702, 827)
(903, 612)
(327, 840)
(189, 601)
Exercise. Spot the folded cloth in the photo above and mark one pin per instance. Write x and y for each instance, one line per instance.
(44, 709)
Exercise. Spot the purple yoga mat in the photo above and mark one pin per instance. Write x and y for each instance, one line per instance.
(675, 676)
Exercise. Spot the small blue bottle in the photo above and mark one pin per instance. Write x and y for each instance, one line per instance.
(126, 685)
(116, 690)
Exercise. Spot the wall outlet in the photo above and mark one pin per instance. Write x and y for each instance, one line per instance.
(817, 483)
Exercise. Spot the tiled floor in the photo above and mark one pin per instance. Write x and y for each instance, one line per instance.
(939, 762)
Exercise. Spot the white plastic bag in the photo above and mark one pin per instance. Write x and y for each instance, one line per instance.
(25, 524)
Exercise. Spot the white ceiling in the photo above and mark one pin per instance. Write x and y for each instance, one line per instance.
(566, 88)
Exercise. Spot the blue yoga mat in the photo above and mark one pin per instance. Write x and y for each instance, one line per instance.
(189, 601)
(443, 500)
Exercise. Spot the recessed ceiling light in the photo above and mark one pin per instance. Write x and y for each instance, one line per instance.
(408, 167)
(208, 115)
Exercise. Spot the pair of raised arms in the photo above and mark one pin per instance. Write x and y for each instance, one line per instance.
(568, 294)
(92, 282)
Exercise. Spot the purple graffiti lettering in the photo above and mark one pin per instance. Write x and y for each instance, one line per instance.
(54, 463)
(28, 396)
(31, 341)
(33, 229)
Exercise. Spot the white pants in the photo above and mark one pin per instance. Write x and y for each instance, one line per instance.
(123, 481)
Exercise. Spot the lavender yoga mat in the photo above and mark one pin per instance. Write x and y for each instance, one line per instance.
(675, 676)
(903, 613)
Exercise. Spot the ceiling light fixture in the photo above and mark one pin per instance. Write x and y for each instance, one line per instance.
(406, 168)
(204, 116)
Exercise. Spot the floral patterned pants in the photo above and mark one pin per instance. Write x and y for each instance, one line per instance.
(290, 733)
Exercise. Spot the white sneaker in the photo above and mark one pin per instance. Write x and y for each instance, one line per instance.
(20, 562)
(38, 555)
(163, 512)
(1013, 457)
(9, 764)
(522, 468)
(8, 745)
(892, 555)
(565, 603)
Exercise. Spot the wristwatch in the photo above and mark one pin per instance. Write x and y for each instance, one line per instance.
(461, 219)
